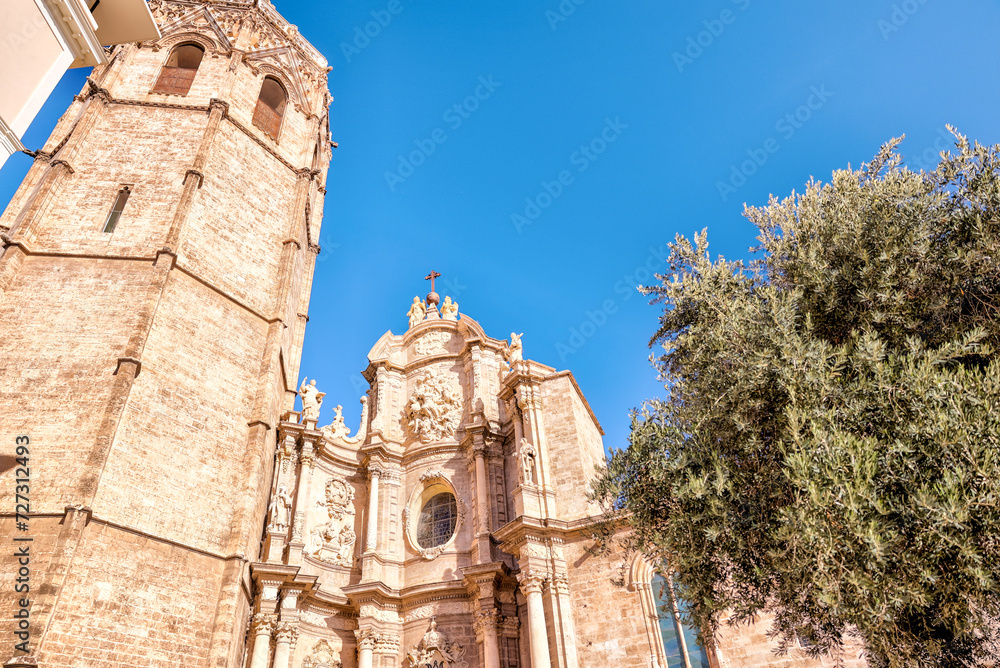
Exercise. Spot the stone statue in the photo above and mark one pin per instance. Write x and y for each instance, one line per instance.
(516, 351)
(417, 312)
(337, 428)
(338, 431)
(280, 509)
(312, 399)
(527, 462)
(449, 309)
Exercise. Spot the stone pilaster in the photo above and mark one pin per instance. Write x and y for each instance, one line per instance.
(486, 630)
(307, 462)
(531, 586)
(261, 629)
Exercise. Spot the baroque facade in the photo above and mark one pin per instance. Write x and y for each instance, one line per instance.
(154, 289)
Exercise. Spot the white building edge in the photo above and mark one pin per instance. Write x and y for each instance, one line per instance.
(41, 39)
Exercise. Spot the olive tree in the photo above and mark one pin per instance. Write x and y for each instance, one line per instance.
(828, 447)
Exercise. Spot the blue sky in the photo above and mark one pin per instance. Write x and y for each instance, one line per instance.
(588, 135)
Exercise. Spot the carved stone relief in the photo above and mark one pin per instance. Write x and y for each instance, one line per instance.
(333, 542)
(434, 609)
(387, 615)
(434, 409)
(432, 343)
(322, 656)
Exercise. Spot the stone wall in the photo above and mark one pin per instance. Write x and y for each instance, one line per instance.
(150, 365)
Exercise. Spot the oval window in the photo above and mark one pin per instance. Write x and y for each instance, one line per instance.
(437, 520)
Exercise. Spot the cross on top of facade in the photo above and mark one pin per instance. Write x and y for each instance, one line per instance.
(432, 298)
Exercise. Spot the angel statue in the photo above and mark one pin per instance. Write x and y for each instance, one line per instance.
(516, 351)
(417, 312)
(449, 309)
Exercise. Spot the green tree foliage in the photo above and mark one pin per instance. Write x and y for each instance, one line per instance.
(828, 450)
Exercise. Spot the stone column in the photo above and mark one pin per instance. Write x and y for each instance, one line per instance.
(366, 646)
(538, 641)
(263, 625)
(374, 472)
(560, 589)
(284, 637)
(482, 491)
(486, 623)
(307, 461)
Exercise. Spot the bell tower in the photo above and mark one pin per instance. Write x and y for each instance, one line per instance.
(154, 286)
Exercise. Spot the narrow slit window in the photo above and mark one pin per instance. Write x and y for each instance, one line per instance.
(116, 210)
(178, 72)
(270, 107)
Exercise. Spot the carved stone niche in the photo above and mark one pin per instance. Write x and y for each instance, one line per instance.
(434, 409)
(322, 656)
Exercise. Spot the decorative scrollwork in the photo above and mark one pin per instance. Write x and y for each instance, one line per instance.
(322, 656)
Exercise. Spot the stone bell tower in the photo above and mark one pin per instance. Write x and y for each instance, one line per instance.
(154, 284)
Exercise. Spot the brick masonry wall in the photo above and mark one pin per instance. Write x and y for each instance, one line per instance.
(123, 605)
(183, 480)
(610, 629)
(574, 447)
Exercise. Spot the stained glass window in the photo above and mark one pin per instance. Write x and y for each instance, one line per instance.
(679, 640)
(437, 520)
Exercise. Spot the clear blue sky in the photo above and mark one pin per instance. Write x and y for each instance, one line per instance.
(687, 91)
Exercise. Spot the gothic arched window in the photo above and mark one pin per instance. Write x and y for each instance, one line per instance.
(178, 72)
(680, 641)
(270, 107)
(437, 520)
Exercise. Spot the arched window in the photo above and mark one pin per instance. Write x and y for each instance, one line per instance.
(179, 70)
(680, 641)
(437, 520)
(270, 107)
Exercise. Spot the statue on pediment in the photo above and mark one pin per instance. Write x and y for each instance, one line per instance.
(417, 312)
(312, 399)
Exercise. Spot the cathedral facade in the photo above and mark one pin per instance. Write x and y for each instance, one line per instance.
(187, 506)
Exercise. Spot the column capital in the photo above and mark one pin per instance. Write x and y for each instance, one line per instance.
(286, 632)
(510, 626)
(486, 621)
(365, 638)
(531, 582)
(263, 623)
(560, 583)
